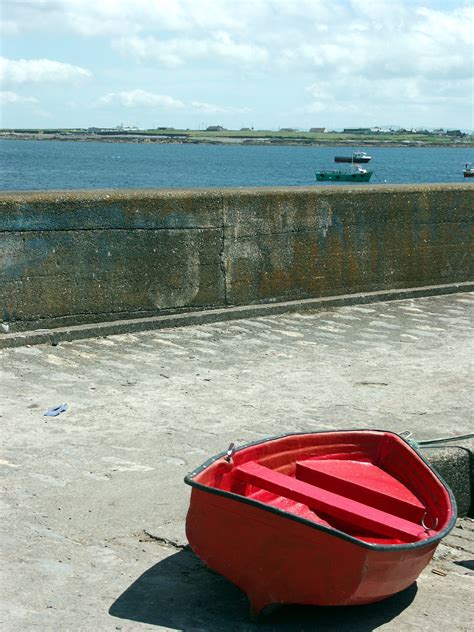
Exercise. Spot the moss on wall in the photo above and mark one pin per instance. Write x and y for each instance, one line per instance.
(89, 256)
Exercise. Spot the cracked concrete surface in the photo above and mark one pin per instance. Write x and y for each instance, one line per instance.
(94, 501)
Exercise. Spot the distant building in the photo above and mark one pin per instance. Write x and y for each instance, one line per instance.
(287, 129)
(357, 130)
(317, 130)
(246, 129)
(215, 128)
(103, 130)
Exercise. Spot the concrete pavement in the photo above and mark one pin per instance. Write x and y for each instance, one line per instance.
(94, 503)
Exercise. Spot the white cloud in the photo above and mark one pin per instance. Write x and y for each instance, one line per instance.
(209, 108)
(396, 99)
(7, 98)
(176, 51)
(121, 17)
(411, 53)
(224, 46)
(401, 43)
(9, 27)
(39, 71)
(405, 62)
(401, 39)
(140, 98)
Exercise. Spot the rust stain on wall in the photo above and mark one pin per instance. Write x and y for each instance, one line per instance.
(82, 256)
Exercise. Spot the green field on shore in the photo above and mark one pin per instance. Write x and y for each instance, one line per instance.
(321, 137)
(249, 136)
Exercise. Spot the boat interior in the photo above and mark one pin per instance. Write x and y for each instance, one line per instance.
(370, 485)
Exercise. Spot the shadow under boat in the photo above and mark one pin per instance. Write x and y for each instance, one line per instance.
(181, 593)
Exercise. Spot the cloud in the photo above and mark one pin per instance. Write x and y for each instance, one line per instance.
(38, 71)
(9, 27)
(395, 99)
(398, 43)
(120, 17)
(373, 37)
(176, 51)
(416, 60)
(209, 108)
(354, 57)
(141, 98)
(7, 98)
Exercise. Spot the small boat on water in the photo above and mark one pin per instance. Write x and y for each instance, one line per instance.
(468, 170)
(357, 157)
(328, 518)
(356, 174)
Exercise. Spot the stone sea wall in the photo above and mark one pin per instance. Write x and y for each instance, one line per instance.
(91, 256)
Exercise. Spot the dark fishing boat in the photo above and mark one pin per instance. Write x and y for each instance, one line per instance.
(356, 174)
(331, 518)
(357, 157)
(468, 170)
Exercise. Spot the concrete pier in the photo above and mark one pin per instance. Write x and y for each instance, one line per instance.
(69, 258)
(306, 309)
(94, 502)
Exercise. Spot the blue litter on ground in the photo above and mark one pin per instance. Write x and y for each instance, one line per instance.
(57, 410)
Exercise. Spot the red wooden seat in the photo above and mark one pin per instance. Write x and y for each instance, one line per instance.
(330, 503)
(364, 482)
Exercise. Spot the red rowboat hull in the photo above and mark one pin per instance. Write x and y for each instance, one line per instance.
(274, 560)
(276, 557)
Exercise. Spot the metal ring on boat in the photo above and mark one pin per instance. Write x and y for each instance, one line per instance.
(423, 523)
(230, 452)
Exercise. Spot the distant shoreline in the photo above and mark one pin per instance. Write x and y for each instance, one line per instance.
(195, 138)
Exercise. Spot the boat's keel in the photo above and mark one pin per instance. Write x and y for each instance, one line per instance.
(259, 608)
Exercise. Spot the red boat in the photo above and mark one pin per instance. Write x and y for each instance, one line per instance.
(330, 518)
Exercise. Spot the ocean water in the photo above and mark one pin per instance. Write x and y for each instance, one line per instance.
(54, 165)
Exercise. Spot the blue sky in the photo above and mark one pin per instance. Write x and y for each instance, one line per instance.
(237, 63)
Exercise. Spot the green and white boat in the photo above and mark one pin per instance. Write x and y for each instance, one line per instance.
(355, 174)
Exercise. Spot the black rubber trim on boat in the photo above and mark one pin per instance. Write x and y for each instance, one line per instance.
(189, 480)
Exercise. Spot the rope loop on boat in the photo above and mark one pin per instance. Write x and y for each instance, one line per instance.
(407, 435)
(423, 523)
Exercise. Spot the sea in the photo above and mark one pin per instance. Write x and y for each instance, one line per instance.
(57, 165)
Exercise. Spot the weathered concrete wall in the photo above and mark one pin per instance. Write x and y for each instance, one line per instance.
(89, 256)
(335, 242)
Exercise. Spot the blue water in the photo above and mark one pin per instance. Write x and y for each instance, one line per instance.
(44, 165)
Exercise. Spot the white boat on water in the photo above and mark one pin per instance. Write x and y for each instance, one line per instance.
(357, 157)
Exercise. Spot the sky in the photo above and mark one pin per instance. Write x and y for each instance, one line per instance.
(265, 64)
